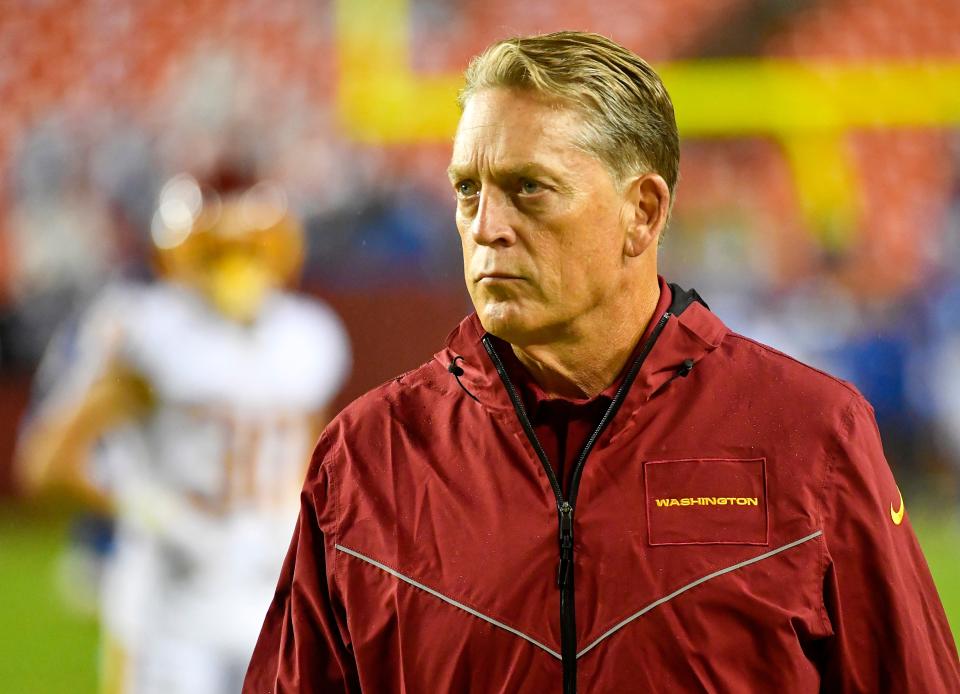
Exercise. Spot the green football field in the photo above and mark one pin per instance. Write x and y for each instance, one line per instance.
(44, 648)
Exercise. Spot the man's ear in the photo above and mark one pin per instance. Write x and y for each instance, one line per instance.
(646, 206)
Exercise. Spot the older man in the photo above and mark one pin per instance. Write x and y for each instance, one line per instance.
(596, 484)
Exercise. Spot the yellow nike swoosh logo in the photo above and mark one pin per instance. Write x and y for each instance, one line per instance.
(897, 516)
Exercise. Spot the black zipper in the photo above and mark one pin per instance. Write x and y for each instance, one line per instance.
(565, 508)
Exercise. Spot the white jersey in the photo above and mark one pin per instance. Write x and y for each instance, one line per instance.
(207, 485)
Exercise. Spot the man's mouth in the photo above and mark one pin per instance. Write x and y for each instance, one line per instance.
(497, 277)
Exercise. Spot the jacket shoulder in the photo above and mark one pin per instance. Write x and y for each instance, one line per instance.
(359, 433)
(790, 375)
(399, 398)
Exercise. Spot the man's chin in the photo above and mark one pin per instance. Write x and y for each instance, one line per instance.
(506, 322)
(511, 324)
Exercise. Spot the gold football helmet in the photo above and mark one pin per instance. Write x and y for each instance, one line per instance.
(233, 239)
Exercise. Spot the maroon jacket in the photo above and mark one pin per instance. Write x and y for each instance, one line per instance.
(733, 527)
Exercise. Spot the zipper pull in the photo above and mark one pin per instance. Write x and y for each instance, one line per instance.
(566, 545)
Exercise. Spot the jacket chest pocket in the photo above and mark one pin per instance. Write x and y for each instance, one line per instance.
(706, 501)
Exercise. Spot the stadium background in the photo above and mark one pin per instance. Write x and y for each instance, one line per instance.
(818, 210)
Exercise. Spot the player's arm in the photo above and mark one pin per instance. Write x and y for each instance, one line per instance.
(889, 629)
(54, 449)
(304, 644)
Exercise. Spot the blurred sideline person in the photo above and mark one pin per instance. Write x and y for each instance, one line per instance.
(186, 408)
(596, 486)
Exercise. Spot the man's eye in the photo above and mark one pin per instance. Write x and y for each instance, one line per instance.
(529, 187)
(466, 189)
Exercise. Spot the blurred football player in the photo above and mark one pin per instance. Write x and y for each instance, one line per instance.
(188, 409)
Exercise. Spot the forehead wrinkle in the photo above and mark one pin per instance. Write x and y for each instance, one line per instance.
(500, 155)
(487, 139)
(520, 168)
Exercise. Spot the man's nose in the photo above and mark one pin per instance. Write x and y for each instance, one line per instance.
(493, 223)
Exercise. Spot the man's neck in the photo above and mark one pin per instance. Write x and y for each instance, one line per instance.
(593, 354)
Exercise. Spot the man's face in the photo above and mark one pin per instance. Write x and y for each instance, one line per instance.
(541, 222)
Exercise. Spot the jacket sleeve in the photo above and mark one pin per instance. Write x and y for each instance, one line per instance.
(304, 645)
(890, 633)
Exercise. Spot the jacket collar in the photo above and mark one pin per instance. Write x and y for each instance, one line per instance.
(692, 331)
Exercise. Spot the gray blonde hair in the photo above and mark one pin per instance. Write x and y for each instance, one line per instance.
(627, 112)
